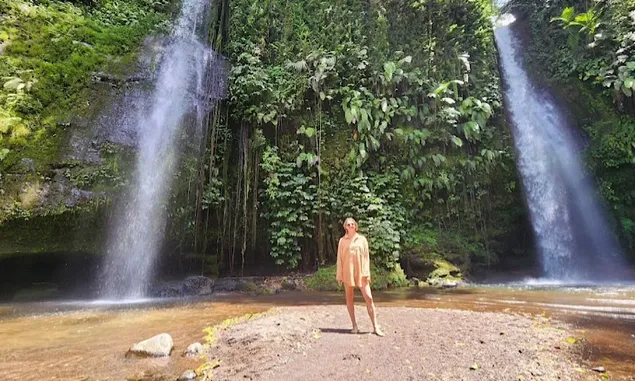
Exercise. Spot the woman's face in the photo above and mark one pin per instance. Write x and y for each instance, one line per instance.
(350, 227)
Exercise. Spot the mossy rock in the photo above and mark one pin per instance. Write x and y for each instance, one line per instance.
(445, 275)
(445, 269)
(430, 265)
(253, 288)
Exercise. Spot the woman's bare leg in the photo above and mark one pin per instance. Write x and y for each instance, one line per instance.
(370, 305)
(350, 305)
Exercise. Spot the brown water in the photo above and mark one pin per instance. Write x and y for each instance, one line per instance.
(87, 341)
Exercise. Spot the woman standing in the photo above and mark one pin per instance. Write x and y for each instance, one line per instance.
(353, 270)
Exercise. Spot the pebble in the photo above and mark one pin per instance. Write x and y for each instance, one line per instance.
(187, 375)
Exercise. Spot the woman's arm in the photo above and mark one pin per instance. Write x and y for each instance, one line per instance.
(338, 274)
(366, 260)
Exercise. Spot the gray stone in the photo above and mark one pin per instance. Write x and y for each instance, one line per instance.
(187, 375)
(599, 369)
(198, 285)
(158, 346)
(289, 284)
(226, 284)
(194, 350)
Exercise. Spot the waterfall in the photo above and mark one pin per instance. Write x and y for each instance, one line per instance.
(573, 238)
(186, 83)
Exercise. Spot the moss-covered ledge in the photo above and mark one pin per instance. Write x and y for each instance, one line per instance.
(71, 230)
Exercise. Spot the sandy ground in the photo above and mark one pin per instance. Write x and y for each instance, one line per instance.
(315, 343)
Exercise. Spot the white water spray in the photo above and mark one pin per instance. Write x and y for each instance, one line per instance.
(181, 96)
(573, 238)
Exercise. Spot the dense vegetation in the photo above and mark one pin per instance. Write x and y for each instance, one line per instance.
(387, 111)
(586, 51)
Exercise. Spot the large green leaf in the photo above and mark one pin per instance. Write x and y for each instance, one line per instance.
(13, 83)
(3, 153)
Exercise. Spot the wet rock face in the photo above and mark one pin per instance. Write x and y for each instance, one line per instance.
(115, 98)
(158, 346)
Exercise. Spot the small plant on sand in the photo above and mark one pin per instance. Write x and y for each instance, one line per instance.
(206, 370)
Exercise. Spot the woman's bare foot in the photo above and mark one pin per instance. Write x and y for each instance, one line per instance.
(355, 331)
(379, 332)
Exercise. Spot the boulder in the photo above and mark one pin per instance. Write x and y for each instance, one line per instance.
(226, 285)
(289, 284)
(168, 290)
(198, 285)
(158, 346)
(195, 350)
(443, 269)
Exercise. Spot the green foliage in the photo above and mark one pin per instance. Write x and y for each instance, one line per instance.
(416, 110)
(381, 279)
(612, 156)
(324, 280)
(618, 74)
(600, 42)
(290, 200)
(374, 200)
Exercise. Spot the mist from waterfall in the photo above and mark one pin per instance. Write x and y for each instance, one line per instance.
(185, 83)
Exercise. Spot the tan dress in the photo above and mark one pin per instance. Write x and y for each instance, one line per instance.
(353, 260)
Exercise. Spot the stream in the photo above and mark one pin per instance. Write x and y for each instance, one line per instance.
(79, 340)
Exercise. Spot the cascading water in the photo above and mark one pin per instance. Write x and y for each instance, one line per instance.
(186, 82)
(573, 238)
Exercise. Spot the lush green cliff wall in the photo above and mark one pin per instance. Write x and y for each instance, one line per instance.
(63, 64)
(389, 111)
